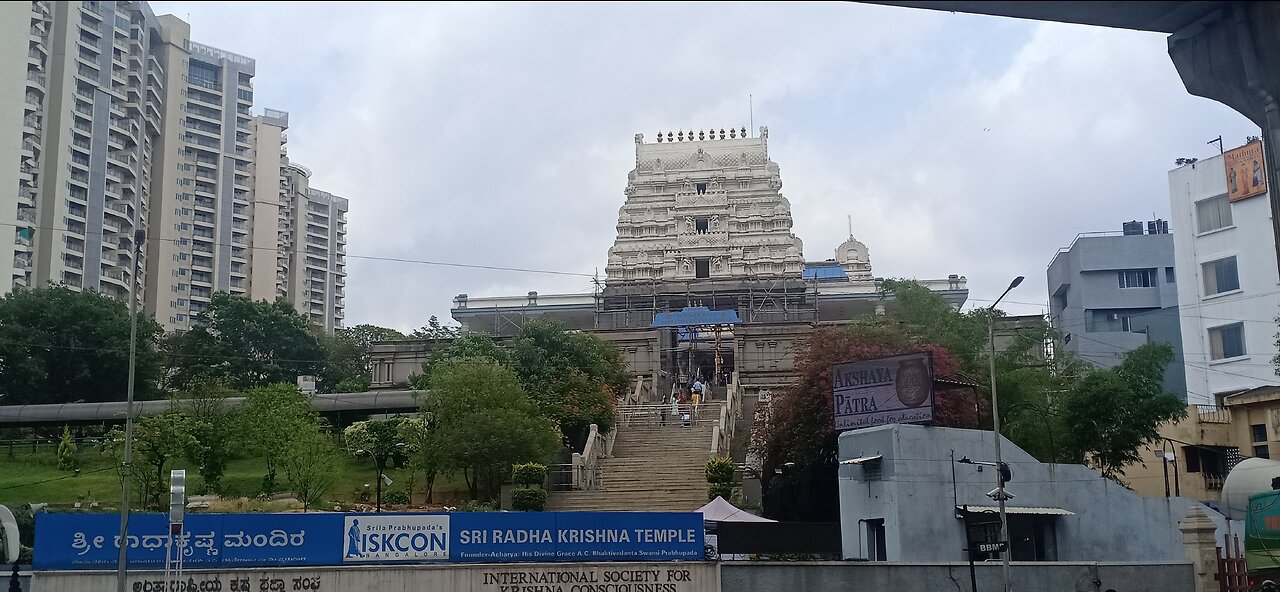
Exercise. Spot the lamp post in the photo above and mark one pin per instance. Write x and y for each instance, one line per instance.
(126, 467)
(995, 424)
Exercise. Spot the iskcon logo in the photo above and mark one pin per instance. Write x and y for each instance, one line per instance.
(396, 537)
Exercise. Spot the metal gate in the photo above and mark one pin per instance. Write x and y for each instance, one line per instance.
(1231, 568)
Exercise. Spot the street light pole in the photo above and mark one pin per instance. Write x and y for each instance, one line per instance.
(995, 424)
(126, 468)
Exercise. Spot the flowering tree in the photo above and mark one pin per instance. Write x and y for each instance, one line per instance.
(800, 427)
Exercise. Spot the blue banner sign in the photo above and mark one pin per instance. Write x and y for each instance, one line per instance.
(90, 541)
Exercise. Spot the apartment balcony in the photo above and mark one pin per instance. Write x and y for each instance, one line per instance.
(118, 275)
(75, 247)
(115, 208)
(203, 100)
(36, 81)
(72, 262)
(1213, 414)
(26, 215)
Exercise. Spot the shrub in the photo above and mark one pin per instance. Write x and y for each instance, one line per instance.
(529, 474)
(720, 469)
(724, 490)
(529, 500)
(396, 498)
(66, 451)
(475, 506)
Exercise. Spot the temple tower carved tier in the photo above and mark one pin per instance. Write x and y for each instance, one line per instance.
(710, 207)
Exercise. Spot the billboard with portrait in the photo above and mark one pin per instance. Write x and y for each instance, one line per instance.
(1246, 171)
(897, 389)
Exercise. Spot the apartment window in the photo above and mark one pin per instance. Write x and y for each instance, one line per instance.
(1220, 276)
(1226, 341)
(1261, 451)
(1136, 278)
(1259, 432)
(1169, 276)
(201, 72)
(1213, 213)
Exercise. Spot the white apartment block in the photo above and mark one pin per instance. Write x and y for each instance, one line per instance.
(113, 121)
(85, 90)
(203, 216)
(1228, 288)
(313, 249)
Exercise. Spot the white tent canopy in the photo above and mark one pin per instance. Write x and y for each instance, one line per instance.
(718, 510)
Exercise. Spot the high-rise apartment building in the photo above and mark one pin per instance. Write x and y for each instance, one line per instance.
(313, 249)
(114, 121)
(1224, 249)
(203, 214)
(91, 104)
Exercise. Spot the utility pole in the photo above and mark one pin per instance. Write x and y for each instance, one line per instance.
(126, 468)
(995, 424)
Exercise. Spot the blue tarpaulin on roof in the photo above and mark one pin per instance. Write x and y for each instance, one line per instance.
(825, 272)
(692, 316)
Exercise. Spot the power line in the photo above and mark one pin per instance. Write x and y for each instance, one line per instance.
(303, 253)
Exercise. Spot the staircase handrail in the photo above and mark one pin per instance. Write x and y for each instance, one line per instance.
(653, 413)
(586, 465)
(722, 435)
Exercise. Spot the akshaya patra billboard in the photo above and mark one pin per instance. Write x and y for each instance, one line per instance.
(90, 541)
(880, 391)
(1246, 171)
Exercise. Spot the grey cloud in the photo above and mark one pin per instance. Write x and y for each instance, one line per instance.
(502, 134)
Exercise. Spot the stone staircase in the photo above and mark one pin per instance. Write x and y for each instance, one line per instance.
(654, 468)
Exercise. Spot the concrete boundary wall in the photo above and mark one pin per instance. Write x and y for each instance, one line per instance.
(894, 577)
(500, 577)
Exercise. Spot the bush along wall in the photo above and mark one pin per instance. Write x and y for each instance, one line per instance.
(530, 496)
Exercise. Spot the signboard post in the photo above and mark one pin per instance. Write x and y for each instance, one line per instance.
(897, 389)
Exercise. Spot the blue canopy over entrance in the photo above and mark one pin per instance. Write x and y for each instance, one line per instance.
(693, 316)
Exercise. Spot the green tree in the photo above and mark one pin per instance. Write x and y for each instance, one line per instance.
(465, 346)
(246, 344)
(434, 329)
(425, 451)
(61, 346)
(347, 367)
(66, 451)
(272, 416)
(380, 440)
(1113, 412)
(310, 466)
(573, 378)
(213, 429)
(485, 423)
(157, 440)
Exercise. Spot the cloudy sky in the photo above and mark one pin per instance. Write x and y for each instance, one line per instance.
(502, 135)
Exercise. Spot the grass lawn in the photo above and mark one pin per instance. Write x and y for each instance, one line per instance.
(27, 477)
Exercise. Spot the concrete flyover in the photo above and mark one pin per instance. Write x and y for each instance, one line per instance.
(335, 404)
(1225, 51)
